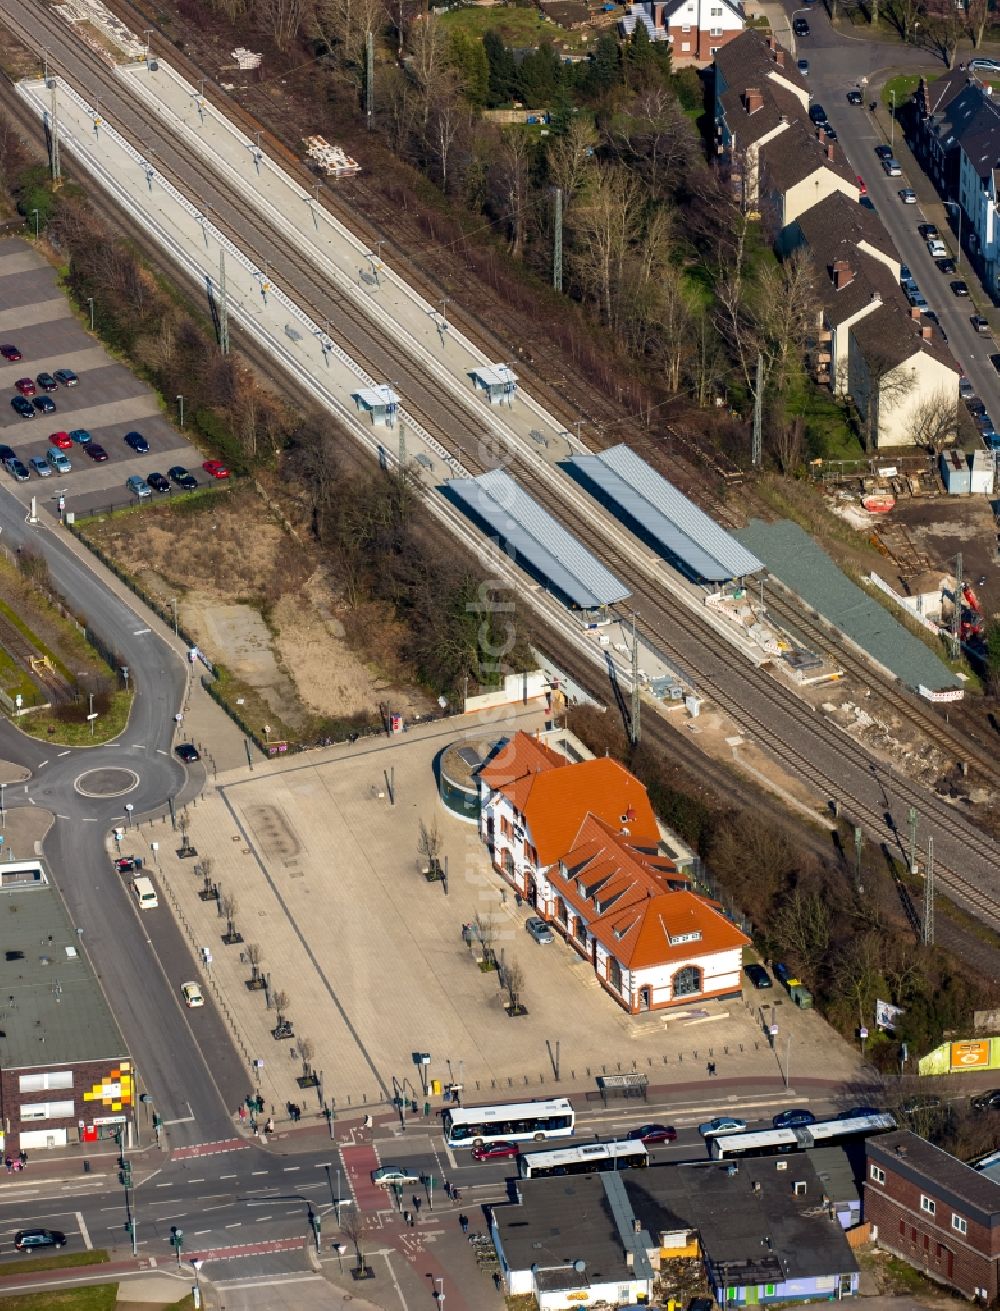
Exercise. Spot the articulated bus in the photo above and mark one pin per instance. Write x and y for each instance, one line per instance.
(469, 1126)
(583, 1160)
(772, 1142)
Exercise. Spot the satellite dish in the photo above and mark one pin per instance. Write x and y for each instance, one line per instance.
(579, 1266)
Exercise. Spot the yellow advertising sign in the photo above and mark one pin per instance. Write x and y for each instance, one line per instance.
(975, 1054)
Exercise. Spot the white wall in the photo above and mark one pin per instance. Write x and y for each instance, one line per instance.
(822, 182)
(720, 970)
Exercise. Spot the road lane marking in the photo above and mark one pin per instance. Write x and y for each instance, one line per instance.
(63, 753)
(43, 764)
(227, 1176)
(140, 631)
(169, 1184)
(196, 1181)
(263, 1217)
(198, 1232)
(237, 1225)
(62, 816)
(184, 1119)
(256, 1172)
(289, 1168)
(84, 1232)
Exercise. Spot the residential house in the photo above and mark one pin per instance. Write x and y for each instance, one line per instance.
(579, 841)
(696, 29)
(836, 226)
(937, 1213)
(766, 1230)
(939, 106)
(899, 375)
(799, 169)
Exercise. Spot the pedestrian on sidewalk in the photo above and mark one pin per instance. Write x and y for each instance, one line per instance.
(243, 1113)
(463, 1220)
(416, 1203)
(23, 1157)
(269, 1126)
(8, 1163)
(711, 1068)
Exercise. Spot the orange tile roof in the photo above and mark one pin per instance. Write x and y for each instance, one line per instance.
(639, 934)
(610, 868)
(512, 770)
(558, 802)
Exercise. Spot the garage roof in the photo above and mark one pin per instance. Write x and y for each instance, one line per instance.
(536, 541)
(664, 515)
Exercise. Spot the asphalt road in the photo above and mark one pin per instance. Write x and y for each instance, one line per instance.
(142, 989)
(836, 64)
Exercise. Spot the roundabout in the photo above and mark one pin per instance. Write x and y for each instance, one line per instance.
(106, 782)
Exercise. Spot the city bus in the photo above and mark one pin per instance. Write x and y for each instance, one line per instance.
(469, 1126)
(824, 1133)
(584, 1159)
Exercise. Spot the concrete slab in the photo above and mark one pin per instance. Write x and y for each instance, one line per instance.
(150, 1289)
(14, 319)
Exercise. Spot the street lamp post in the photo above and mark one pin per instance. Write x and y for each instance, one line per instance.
(90, 302)
(180, 402)
(892, 120)
(196, 1291)
(953, 204)
(3, 813)
(439, 1290)
(35, 212)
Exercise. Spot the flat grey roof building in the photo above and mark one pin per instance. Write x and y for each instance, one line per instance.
(662, 515)
(52, 1008)
(536, 541)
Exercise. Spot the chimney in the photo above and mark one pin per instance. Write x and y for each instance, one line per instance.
(779, 57)
(753, 99)
(843, 274)
(927, 332)
(914, 314)
(821, 136)
(829, 150)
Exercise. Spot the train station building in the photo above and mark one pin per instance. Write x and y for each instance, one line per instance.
(578, 840)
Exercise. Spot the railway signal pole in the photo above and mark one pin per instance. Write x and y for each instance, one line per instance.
(54, 127)
(956, 618)
(913, 839)
(557, 242)
(223, 306)
(370, 77)
(634, 725)
(756, 451)
(927, 934)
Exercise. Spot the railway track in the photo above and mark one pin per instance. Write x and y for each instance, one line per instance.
(27, 655)
(779, 718)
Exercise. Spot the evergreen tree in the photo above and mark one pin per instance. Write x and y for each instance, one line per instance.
(502, 70)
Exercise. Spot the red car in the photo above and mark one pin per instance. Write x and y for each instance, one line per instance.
(10, 353)
(861, 184)
(216, 468)
(495, 1151)
(62, 440)
(26, 386)
(653, 1133)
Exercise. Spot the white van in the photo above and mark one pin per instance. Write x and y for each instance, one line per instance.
(145, 893)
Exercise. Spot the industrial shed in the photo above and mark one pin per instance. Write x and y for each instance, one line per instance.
(663, 517)
(536, 542)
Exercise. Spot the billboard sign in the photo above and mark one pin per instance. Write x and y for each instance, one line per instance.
(975, 1054)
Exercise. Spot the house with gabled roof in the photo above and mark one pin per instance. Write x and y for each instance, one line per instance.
(579, 841)
(696, 30)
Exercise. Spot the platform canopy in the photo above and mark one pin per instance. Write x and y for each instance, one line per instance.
(373, 398)
(494, 375)
(538, 543)
(664, 516)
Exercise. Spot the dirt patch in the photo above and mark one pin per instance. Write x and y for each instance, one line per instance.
(951, 524)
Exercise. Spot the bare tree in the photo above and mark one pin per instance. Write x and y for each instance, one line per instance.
(945, 28)
(935, 420)
(306, 1051)
(858, 974)
(281, 1003)
(977, 16)
(513, 978)
(281, 18)
(447, 117)
(429, 844)
(352, 1226)
(802, 922)
(429, 61)
(344, 26)
(570, 160)
(254, 954)
(229, 905)
(486, 928)
(512, 183)
(605, 226)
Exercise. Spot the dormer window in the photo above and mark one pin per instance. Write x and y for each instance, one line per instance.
(676, 940)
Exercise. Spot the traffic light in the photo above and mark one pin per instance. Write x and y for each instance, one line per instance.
(125, 1174)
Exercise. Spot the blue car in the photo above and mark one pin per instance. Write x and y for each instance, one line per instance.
(81, 436)
(781, 972)
(793, 1119)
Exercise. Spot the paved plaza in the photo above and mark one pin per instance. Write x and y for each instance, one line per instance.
(327, 876)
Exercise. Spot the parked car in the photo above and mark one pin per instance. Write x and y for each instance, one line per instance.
(853, 1112)
(757, 975)
(6, 453)
(892, 167)
(128, 864)
(96, 452)
(981, 325)
(653, 1133)
(861, 184)
(39, 466)
(138, 486)
(187, 752)
(800, 27)
(66, 376)
(10, 353)
(946, 266)
(216, 469)
(994, 360)
(158, 482)
(61, 439)
(81, 436)
(818, 114)
(722, 1124)
(793, 1119)
(959, 288)
(137, 442)
(539, 930)
(192, 994)
(907, 195)
(803, 66)
(16, 469)
(395, 1174)
(830, 131)
(44, 404)
(179, 475)
(47, 382)
(984, 423)
(495, 1151)
(921, 1102)
(979, 65)
(933, 318)
(866, 202)
(965, 387)
(26, 386)
(854, 97)
(22, 407)
(884, 152)
(28, 1240)
(937, 249)
(781, 972)
(917, 299)
(975, 406)
(928, 231)
(904, 273)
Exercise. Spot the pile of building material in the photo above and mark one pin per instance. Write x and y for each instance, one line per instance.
(107, 23)
(246, 59)
(331, 159)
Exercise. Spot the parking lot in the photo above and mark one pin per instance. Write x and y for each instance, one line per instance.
(108, 402)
